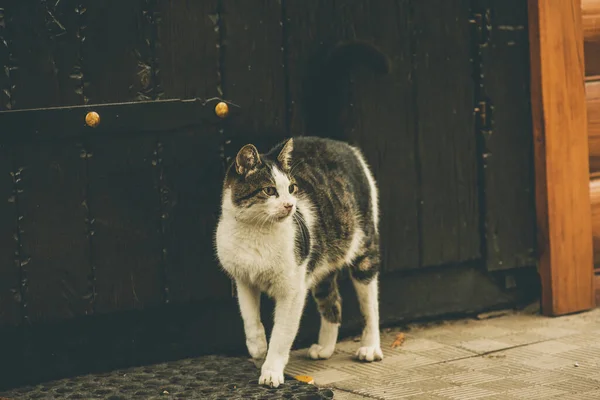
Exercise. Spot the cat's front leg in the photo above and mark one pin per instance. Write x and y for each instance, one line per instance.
(256, 340)
(288, 311)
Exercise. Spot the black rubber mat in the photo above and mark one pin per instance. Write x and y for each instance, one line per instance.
(209, 377)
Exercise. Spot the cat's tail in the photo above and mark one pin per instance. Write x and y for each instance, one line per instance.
(326, 87)
(347, 55)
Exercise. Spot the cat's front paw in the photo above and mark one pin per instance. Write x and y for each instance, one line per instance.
(318, 352)
(270, 376)
(369, 353)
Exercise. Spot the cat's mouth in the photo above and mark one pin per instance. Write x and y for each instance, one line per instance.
(283, 216)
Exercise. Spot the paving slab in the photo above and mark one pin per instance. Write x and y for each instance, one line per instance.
(514, 355)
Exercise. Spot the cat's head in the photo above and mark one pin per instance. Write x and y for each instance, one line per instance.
(261, 187)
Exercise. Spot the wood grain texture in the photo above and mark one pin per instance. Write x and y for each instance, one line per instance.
(591, 36)
(508, 167)
(592, 94)
(561, 156)
(110, 70)
(595, 203)
(253, 71)
(6, 59)
(312, 27)
(190, 37)
(53, 231)
(10, 298)
(34, 78)
(377, 112)
(66, 25)
(447, 150)
(51, 218)
(597, 285)
(123, 203)
(193, 178)
(189, 57)
(121, 198)
(381, 120)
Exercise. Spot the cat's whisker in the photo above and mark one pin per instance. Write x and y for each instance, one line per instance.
(266, 220)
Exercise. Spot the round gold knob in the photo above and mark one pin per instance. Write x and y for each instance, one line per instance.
(222, 109)
(92, 119)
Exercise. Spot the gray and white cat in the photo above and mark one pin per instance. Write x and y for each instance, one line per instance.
(291, 220)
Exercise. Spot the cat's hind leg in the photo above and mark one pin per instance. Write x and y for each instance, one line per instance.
(329, 303)
(364, 273)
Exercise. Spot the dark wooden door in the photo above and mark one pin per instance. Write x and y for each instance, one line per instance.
(115, 217)
(120, 219)
(445, 131)
(108, 222)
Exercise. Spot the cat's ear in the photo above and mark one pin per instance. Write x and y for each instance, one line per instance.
(285, 155)
(247, 160)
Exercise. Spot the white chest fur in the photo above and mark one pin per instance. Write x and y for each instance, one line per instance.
(262, 258)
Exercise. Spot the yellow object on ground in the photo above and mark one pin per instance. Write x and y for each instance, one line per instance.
(305, 379)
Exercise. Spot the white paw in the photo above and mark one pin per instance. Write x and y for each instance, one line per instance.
(318, 352)
(369, 354)
(271, 377)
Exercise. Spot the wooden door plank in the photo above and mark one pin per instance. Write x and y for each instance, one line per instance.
(54, 231)
(10, 296)
(447, 150)
(595, 204)
(376, 112)
(111, 68)
(35, 80)
(561, 156)
(311, 27)
(192, 175)
(507, 143)
(591, 36)
(68, 24)
(190, 57)
(592, 96)
(53, 248)
(11, 299)
(6, 58)
(253, 72)
(122, 198)
(597, 290)
(382, 122)
(123, 204)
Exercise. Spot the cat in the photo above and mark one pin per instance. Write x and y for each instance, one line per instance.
(291, 220)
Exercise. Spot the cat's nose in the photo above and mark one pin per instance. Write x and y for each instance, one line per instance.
(288, 206)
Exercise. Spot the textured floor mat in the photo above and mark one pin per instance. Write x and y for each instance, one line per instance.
(209, 377)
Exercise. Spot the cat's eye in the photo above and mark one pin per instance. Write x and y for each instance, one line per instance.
(270, 191)
(293, 188)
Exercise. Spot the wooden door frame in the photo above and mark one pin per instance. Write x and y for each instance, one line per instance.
(565, 254)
